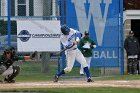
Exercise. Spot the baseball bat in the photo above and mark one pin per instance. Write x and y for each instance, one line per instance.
(58, 53)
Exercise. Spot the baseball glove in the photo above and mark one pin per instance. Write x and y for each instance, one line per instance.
(33, 55)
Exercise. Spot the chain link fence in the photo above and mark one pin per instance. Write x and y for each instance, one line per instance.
(34, 10)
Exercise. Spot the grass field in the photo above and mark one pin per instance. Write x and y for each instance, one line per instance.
(78, 90)
(31, 71)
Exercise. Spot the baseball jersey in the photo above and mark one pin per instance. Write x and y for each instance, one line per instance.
(67, 40)
(87, 52)
(8, 63)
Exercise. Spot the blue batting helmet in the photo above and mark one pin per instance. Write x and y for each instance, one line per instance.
(65, 29)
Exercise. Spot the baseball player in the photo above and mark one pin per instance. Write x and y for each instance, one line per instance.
(69, 39)
(86, 45)
(7, 69)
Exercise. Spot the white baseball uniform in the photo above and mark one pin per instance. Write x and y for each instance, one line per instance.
(72, 53)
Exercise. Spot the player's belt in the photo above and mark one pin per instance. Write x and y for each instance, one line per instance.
(74, 48)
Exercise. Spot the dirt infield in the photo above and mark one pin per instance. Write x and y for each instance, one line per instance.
(66, 84)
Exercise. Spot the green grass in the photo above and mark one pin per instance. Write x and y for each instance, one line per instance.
(78, 90)
(31, 71)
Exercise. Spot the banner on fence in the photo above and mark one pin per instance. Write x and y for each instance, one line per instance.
(38, 36)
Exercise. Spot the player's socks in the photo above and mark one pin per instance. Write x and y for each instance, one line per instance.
(61, 73)
(86, 70)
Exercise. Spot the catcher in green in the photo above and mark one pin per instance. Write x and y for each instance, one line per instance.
(7, 69)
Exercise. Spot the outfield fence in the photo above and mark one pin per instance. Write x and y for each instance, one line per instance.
(107, 58)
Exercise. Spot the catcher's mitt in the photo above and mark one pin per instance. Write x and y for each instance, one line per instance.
(33, 55)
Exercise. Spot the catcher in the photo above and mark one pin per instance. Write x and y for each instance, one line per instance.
(7, 69)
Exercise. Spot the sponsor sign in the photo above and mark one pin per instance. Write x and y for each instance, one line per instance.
(38, 36)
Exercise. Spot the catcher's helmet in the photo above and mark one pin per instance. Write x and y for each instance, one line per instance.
(13, 50)
(65, 29)
(7, 50)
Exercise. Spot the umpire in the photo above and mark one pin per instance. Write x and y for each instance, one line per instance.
(132, 48)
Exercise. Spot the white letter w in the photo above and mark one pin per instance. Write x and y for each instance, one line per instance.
(96, 13)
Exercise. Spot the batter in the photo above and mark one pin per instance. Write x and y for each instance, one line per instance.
(69, 39)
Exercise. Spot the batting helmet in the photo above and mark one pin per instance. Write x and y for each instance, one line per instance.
(65, 29)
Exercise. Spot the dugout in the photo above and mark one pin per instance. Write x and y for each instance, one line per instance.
(135, 26)
(131, 22)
